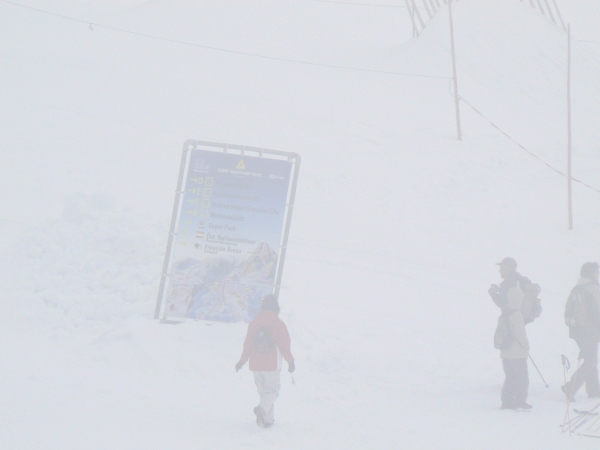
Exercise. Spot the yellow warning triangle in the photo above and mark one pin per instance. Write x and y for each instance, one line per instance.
(241, 165)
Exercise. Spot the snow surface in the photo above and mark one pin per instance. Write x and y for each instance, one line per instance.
(395, 233)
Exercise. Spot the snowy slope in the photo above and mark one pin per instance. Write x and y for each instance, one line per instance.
(395, 233)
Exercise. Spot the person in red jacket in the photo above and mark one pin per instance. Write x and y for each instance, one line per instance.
(267, 341)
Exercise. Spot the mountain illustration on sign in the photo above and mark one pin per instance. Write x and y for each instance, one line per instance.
(263, 262)
(221, 288)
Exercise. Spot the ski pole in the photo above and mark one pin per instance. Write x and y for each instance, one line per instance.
(591, 426)
(566, 366)
(587, 418)
(581, 419)
(538, 371)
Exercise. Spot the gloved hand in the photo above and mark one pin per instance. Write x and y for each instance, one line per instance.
(238, 366)
(494, 291)
(291, 367)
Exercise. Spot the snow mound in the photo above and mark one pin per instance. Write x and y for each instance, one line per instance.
(98, 263)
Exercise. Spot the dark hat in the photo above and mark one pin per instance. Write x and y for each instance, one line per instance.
(509, 262)
(589, 268)
(270, 303)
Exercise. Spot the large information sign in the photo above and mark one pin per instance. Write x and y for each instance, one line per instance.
(228, 233)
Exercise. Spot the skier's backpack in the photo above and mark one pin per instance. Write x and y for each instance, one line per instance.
(576, 311)
(263, 342)
(503, 337)
(532, 305)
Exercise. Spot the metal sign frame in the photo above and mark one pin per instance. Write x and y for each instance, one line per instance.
(241, 150)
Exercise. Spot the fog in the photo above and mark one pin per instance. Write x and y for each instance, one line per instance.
(396, 229)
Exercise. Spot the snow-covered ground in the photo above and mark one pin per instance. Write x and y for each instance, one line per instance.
(395, 233)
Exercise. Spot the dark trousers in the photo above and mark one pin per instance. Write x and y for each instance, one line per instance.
(588, 371)
(516, 383)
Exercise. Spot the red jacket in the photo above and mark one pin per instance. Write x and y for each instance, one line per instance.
(279, 332)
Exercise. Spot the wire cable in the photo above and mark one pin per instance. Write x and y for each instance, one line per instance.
(360, 4)
(523, 148)
(223, 50)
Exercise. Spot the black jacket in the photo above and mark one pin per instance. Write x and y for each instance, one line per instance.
(590, 331)
(501, 300)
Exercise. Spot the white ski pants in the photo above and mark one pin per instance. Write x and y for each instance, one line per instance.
(268, 384)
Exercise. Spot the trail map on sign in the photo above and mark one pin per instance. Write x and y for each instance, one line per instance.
(228, 238)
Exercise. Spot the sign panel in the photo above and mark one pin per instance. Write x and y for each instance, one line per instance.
(226, 253)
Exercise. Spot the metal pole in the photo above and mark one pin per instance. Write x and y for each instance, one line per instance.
(538, 371)
(288, 222)
(427, 9)
(456, 98)
(570, 187)
(163, 278)
(558, 14)
(566, 366)
(412, 18)
(416, 11)
(549, 11)
(541, 7)
(433, 8)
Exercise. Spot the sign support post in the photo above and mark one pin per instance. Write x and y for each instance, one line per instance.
(569, 182)
(163, 276)
(456, 97)
(288, 223)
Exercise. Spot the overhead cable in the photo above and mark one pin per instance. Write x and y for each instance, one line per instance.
(528, 151)
(360, 4)
(223, 50)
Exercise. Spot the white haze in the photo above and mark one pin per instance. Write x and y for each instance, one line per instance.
(395, 233)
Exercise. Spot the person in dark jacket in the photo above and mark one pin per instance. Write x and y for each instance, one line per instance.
(267, 342)
(531, 305)
(586, 334)
(510, 278)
